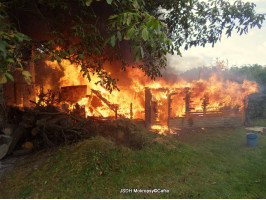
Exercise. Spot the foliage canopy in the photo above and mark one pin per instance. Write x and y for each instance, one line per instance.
(93, 32)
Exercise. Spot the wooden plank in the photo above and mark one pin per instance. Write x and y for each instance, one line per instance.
(73, 93)
(159, 89)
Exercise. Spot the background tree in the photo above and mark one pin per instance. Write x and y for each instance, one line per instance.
(252, 72)
(257, 101)
(93, 32)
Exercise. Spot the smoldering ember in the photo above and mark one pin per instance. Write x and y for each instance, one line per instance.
(90, 80)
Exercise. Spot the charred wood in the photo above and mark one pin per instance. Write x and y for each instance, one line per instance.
(5, 142)
(44, 129)
(16, 137)
(35, 130)
(113, 107)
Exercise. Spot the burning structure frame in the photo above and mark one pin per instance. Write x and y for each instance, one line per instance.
(190, 118)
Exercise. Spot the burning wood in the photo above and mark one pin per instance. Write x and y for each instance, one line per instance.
(73, 94)
(205, 103)
(155, 101)
(188, 102)
(196, 98)
(36, 130)
(113, 107)
(45, 100)
(79, 111)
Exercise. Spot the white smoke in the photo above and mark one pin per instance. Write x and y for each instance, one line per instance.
(182, 64)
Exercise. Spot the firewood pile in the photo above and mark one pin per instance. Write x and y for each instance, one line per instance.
(33, 129)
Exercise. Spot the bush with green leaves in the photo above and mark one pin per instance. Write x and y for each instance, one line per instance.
(91, 33)
(10, 55)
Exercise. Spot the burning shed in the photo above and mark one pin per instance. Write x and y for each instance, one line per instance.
(162, 104)
(87, 36)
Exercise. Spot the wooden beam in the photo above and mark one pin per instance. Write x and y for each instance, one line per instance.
(113, 107)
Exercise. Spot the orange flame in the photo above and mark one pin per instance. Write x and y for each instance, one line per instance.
(221, 94)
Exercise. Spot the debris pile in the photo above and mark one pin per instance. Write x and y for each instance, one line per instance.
(30, 130)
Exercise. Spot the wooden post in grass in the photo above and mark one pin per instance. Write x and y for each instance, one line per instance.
(116, 108)
(169, 101)
(244, 113)
(131, 111)
(148, 97)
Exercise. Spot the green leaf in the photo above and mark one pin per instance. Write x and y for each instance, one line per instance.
(10, 77)
(113, 40)
(137, 58)
(135, 5)
(106, 41)
(109, 1)
(10, 60)
(27, 76)
(128, 19)
(88, 2)
(145, 34)
(113, 16)
(124, 20)
(26, 73)
(157, 26)
(136, 49)
(3, 79)
(119, 36)
(81, 56)
(3, 46)
(151, 23)
(37, 57)
(142, 52)
(21, 37)
(130, 33)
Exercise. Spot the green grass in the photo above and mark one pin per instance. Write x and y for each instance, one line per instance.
(211, 164)
(258, 122)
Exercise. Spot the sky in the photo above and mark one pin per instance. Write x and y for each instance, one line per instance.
(236, 50)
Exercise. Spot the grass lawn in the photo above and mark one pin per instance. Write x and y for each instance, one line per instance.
(258, 122)
(215, 163)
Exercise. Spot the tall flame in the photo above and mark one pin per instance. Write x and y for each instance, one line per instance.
(221, 93)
